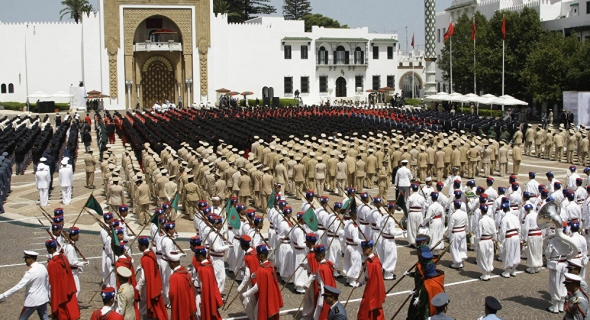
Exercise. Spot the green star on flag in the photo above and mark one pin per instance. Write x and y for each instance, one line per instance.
(233, 218)
(310, 219)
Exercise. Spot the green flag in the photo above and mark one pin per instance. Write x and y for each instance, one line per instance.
(352, 209)
(93, 204)
(115, 242)
(346, 204)
(227, 205)
(154, 219)
(310, 219)
(271, 198)
(401, 202)
(175, 203)
(233, 218)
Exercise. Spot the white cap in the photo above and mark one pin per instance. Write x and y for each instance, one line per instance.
(404, 161)
(64, 161)
(216, 198)
(30, 253)
(174, 256)
(124, 272)
(43, 159)
(428, 179)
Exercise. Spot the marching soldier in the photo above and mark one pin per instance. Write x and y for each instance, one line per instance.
(90, 162)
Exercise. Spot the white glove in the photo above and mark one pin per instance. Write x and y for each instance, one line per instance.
(416, 300)
(406, 273)
(85, 263)
(2, 298)
(245, 295)
(362, 282)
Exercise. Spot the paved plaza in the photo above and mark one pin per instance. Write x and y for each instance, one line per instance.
(523, 297)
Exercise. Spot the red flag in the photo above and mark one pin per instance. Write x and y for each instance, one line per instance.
(449, 32)
(504, 28)
(473, 30)
(412, 41)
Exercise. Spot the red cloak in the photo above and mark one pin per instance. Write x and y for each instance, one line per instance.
(112, 315)
(182, 295)
(210, 296)
(270, 299)
(64, 304)
(372, 303)
(313, 266)
(156, 308)
(326, 271)
(251, 261)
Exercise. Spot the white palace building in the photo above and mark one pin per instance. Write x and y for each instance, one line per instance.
(147, 51)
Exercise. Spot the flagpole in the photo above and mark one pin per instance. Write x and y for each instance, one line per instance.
(474, 61)
(451, 57)
(503, 52)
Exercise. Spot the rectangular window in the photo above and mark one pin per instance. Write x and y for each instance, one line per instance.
(587, 7)
(376, 82)
(303, 52)
(389, 53)
(391, 81)
(287, 52)
(288, 85)
(358, 82)
(323, 84)
(359, 57)
(304, 84)
(375, 52)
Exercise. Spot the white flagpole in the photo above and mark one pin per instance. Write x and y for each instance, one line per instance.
(474, 62)
(451, 57)
(503, 50)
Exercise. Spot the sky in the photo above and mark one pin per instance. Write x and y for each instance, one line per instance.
(383, 16)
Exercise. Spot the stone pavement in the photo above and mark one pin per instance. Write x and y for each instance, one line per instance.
(523, 297)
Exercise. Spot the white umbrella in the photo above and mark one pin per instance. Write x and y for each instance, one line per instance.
(61, 94)
(507, 100)
(456, 97)
(471, 97)
(39, 95)
(441, 96)
(486, 98)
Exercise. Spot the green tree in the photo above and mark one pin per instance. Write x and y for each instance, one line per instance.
(321, 21)
(296, 9)
(224, 7)
(252, 8)
(75, 9)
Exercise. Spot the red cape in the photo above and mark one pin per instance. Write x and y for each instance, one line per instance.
(251, 261)
(64, 304)
(182, 295)
(270, 299)
(313, 266)
(156, 308)
(374, 295)
(113, 315)
(434, 286)
(210, 297)
(326, 270)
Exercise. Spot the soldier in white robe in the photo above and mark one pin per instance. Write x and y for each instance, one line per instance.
(532, 235)
(508, 236)
(66, 179)
(353, 252)
(42, 180)
(107, 253)
(435, 220)
(387, 247)
(334, 231)
(297, 256)
(217, 249)
(75, 263)
(486, 233)
(457, 236)
(556, 253)
(579, 239)
(284, 248)
(416, 205)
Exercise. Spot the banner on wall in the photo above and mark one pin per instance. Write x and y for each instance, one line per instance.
(579, 104)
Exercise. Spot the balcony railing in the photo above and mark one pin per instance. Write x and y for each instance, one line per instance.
(341, 61)
(157, 46)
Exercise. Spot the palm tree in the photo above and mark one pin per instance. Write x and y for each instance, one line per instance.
(224, 7)
(76, 9)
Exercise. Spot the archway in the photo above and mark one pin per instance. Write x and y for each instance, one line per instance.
(405, 84)
(158, 81)
(340, 87)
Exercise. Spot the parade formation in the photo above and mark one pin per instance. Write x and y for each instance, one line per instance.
(307, 200)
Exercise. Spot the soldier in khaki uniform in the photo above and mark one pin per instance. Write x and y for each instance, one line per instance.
(351, 166)
(280, 172)
(448, 155)
(256, 178)
(360, 173)
(503, 158)
(332, 164)
(548, 148)
(245, 185)
(115, 195)
(299, 178)
(486, 160)
(191, 192)
(455, 156)
(290, 188)
(571, 146)
(320, 175)
(341, 174)
(464, 162)
(371, 168)
(472, 155)
(142, 200)
(422, 163)
(583, 149)
(529, 137)
(430, 160)
(558, 141)
(440, 162)
(161, 182)
(310, 170)
(90, 162)
(539, 136)
(266, 186)
(383, 179)
(516, 158)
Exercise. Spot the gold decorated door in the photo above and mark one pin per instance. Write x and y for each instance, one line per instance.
(158, 82)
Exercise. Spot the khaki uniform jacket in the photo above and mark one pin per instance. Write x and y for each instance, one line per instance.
(396, 156)
(126, 301)
(245, 186)
(383, 178)
(320, 171)
(90, 162)
(371, 164)
(236, 181)
(350, 164)
(487, 155)
(341, 170)
(456, 158)
(440, 159)
(299, 173)
(431, 156)
(281, 174)
(360, 168)
(267, 183)
(220, 188)
(256, 178)
(290, 165)
(473, 154)
(332, 163)
(310, 168)
(142, 194)
(161, 182)
(191, 192)
(516, 154)
(463, 150)
(448, 154)
(558, 140)
(116, 196)
(529, 135)
(571, 142)
(422, 160)
(503, 154)
(170, 189)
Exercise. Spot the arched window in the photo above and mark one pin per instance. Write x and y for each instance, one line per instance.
(10, 88)
(359, 56)
(322, 55)
(3, 88)
(341, 56)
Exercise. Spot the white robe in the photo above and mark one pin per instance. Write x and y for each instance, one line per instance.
(534, 249)
(298, 248)
(416, 205)
(457, 227)
(387, 248)
(510, 244)
(435, 219)
(333, 235)
(353, 252)
(285, 250)
(485, 248)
